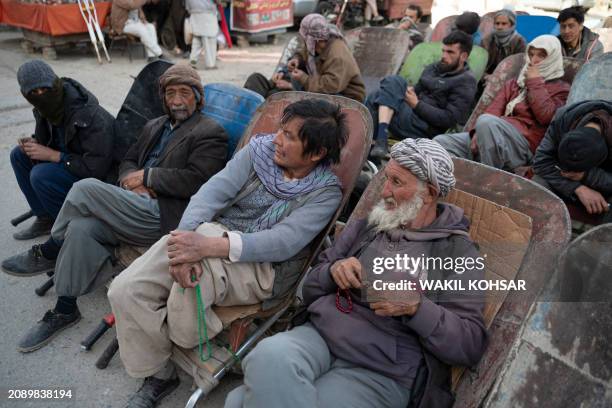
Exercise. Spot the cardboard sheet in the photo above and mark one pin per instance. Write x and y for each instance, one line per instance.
(503, 236)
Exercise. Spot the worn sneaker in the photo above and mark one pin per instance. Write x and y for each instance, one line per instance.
(28, 263)
(151, 392)
(45, 330)
(40, 226)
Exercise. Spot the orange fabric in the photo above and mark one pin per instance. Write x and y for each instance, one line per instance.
(57, 19)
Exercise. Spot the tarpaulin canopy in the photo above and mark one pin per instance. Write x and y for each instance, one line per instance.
(54, 19)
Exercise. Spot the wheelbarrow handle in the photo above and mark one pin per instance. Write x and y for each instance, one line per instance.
(107, 322)
(18, 220)
(108, 354)
(44, 288)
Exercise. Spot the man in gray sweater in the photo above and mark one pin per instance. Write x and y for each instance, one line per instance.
(364, 346)
(242, 240)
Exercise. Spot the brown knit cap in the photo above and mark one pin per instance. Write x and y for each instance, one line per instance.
(182, 74)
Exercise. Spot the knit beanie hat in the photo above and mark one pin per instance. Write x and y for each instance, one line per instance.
(582, 149)
(468, 22)
(183, 74)
(35, 74)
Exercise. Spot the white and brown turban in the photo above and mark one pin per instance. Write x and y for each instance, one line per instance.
(428, 161)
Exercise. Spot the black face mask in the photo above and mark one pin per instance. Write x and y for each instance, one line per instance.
(51, 103)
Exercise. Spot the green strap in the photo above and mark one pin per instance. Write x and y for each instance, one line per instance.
(202, 328)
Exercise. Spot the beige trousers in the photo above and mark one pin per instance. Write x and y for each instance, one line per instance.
(152, 311)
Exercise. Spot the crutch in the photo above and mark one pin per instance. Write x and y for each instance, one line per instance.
(96, 23)
(83, 6)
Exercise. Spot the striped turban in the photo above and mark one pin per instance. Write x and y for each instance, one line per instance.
(428, 161)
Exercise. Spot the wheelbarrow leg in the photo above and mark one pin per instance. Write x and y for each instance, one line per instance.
(44, 288)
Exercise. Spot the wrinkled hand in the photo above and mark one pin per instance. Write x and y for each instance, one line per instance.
(283, 84)
(186, 247)
(133, 180)
(573, 175)
(187, 275)
(293, 64)
(36, 151)
(298, 75)
(410, 97)
(278, 76)
(408, 307)
(592, 200)
(22, 141)
(347, 273)
(532, 71)
(474, 146)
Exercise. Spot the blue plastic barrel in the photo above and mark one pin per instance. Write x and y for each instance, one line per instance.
(531, 27)
(232, 107)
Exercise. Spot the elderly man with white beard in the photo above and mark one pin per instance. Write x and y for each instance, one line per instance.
(360, 348)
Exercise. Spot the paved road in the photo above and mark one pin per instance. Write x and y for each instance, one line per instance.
(61, 365)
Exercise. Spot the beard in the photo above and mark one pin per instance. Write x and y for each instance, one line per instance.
(401, 216)
(179, 114)
(444, 68)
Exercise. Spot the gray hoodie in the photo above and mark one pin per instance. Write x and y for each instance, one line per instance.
(449, 325)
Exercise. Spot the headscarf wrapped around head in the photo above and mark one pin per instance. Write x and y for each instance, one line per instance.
(182, 74)
(550, 68)
(428, 161)
(503, 37)
(314, 27)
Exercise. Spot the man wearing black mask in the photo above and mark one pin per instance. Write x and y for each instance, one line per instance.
(439, 101)
(73, 139)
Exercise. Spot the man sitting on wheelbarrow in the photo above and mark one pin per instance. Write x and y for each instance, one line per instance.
(242, 240)
(324, 64)
(439, 101)
(507, 135)
(73, 139)
(364, 348)
(575, 157)
(174, 156)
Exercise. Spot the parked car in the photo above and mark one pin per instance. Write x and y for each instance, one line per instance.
(301, 8)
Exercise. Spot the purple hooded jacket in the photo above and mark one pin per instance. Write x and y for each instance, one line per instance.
(451, 328)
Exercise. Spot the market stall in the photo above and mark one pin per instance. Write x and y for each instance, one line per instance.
(49, 25)
(260, 17)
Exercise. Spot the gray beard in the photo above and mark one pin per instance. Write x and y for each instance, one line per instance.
(402, 216)
(179, 115)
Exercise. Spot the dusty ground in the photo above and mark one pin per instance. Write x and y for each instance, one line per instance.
(61, 365)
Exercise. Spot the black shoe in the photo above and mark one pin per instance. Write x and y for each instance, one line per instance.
(40, 226)
(151, 392)
(380, 151)
(28, 263)
(45, 330)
